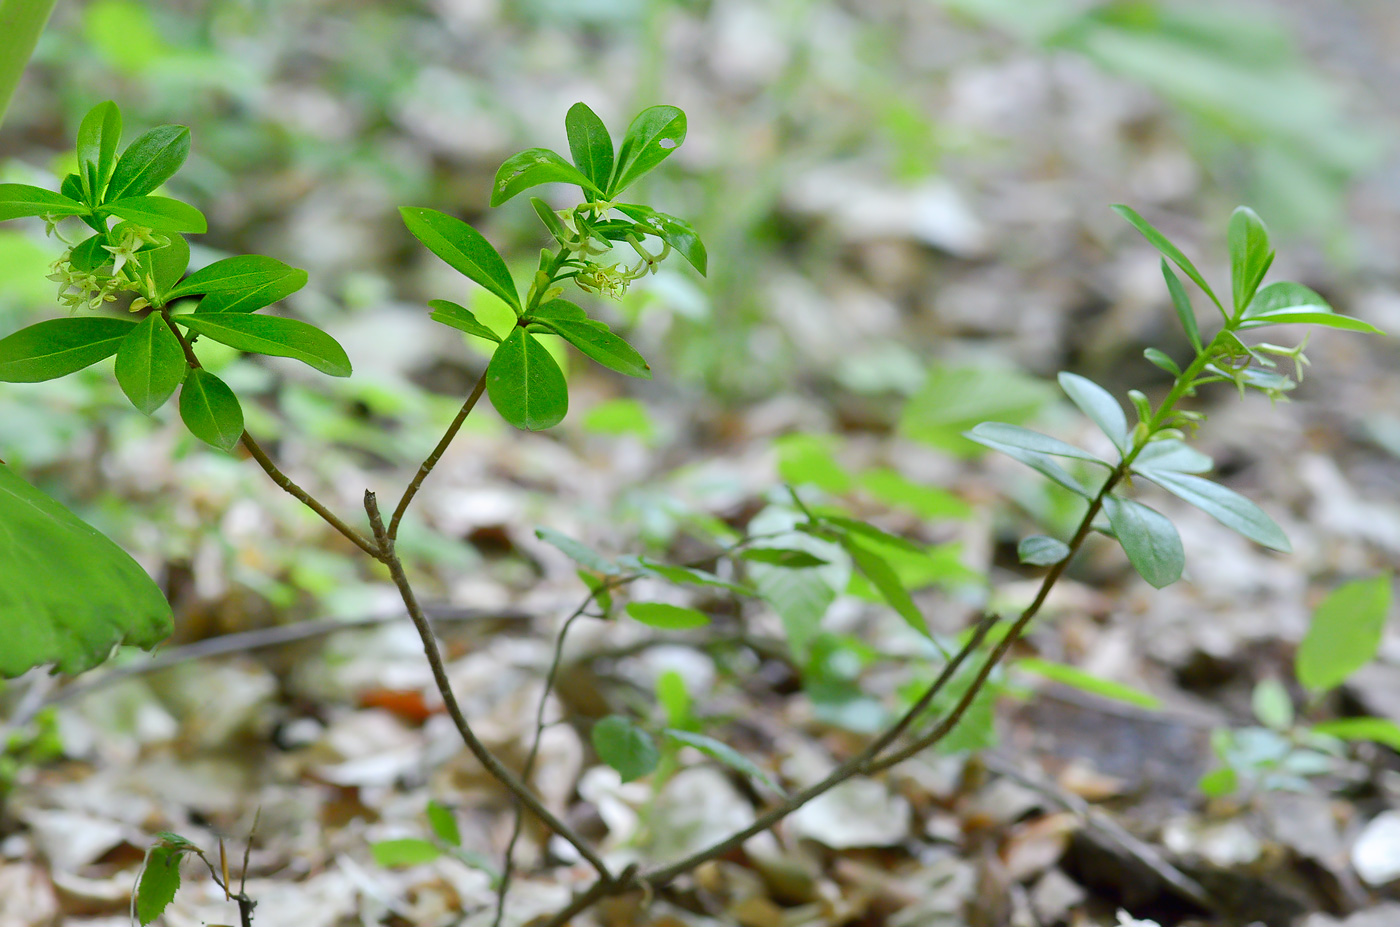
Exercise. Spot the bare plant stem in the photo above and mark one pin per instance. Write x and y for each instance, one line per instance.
(431, 461)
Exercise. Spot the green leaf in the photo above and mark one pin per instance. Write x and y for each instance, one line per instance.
(210, 410)
(785, 558)
(667, 617)
(1097, 403)
(578, 552)
(269, 334)
(463, 248)
(72, 187)
(601, 345)
(98, 137)
(717, 750)
(1148, 538)
(1171, 454)
(653, 135)
(68, 595)
(149, 161)
(674, 698)
(444, 824)
(59, 347)
(808, 460)
(1376, 730)
(677, 233)
(551, 220)
(1250, 254)
(1041, 463)
(532, 167)
(1162, 361)
(1272, 705)
(159, 212)
(1160, 242)
(928, 502)
(1277, 297)
(19, 199)
(160, 879)
(1308, 317)
(91, 253)
(883, 577)
(276, 282)
(166, 264)
(1344, 634)
(559, 310)
(625, 747)
(1087, 682)
(402, 853)
(1006, 435)
(1219, 782)
(590, 144)
(869, 531)
(239, 277)
(1182, 303)
(1226, 506)
(150, 364)
(525, 384)
(1040, 550)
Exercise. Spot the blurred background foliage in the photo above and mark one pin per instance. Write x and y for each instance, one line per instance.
(902, 199)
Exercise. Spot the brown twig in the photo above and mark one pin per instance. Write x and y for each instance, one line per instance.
(427, 465)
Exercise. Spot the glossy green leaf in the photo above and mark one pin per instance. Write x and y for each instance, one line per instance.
(166, 264)
(160, 880)
(461, 318)
(667, 617)
(1345, 633)
(559, 310)
(1309, 317)
(1087, 682)
(1250, 254)
(239, 277)
(1224, 505)
(718, 750)
(59, 347)
(551, 220)
(72, 187)
(1149, 539)
(1015, 436)
(1182, 304)
(1160, 242)
(1375, 730)
(601, 345)
(463, 248)
(91, 253)
(268, 334)
(1041, 463)
(158, 212)
(525, 384)
(532, 167)
(1097, 403)
(210, 410)
(444, 824)
(404, 852)
(625, 747)
(1162, 361)
(1171, 454)
(579, 552)
(68, 595)
(98, 137)
(783, 557)
(1040, 550)
(677, 233)
(150, 364)
(149, 161)
(590, 144)
(1277, 297)
(19, 199)
(883, 577)
(653, 135)
(280, 282)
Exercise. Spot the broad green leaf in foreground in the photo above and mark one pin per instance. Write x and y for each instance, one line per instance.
(268, 334)
(210, 410)
(18, 200)
(532, 167)
(625, 747)
(150, 364)
(149, 161)
(463, 248)
(59, 347)
(1224, 505)
(98, 137)
(241, 274)
(166, 264)
(653, 135)
(1148, 538)
(525, 384)
(1345, 633)
(603, 346)
(68, 595)
(590, 144)
(159, 212)
(275, 281)
(677, 233)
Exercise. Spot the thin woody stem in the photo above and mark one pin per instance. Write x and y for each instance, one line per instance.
(432, 459)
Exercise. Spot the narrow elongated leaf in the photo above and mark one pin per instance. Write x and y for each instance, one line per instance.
(403, 852)
(210, 410)
(1171, 454)
(1286, 295)
(276, 283)
(1310, 317)
(1345, 633)
(160, 880)
(559, 310)
(68, 595)
(883, 577)
(460, 318)
(239, 276)
(786, 558)
(1182, 303)
(1149, 539)
(59, 347)
(268, 334)
(1224, 505)
(590, 144)
(98, 137)
(667, 617)
(677, 233)
(525, 384)
(159, 212)
(1087, 682)
(653, 135)
(91, 253)
(625, 747)
(463, 248)
(551, 220)
(1024, 438)
(1375, 730)
(150, 364)
(579, 552)
(718, 750)
(1041, 463)
(1162, 361)
(535, 166)
(1097, 403)
(1160, 242)
(149, 161)
(867, 530)
(20, 199)
(690, 576)
(167, 264)
(1040, 550)
(601, 345)
(1250, 254)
